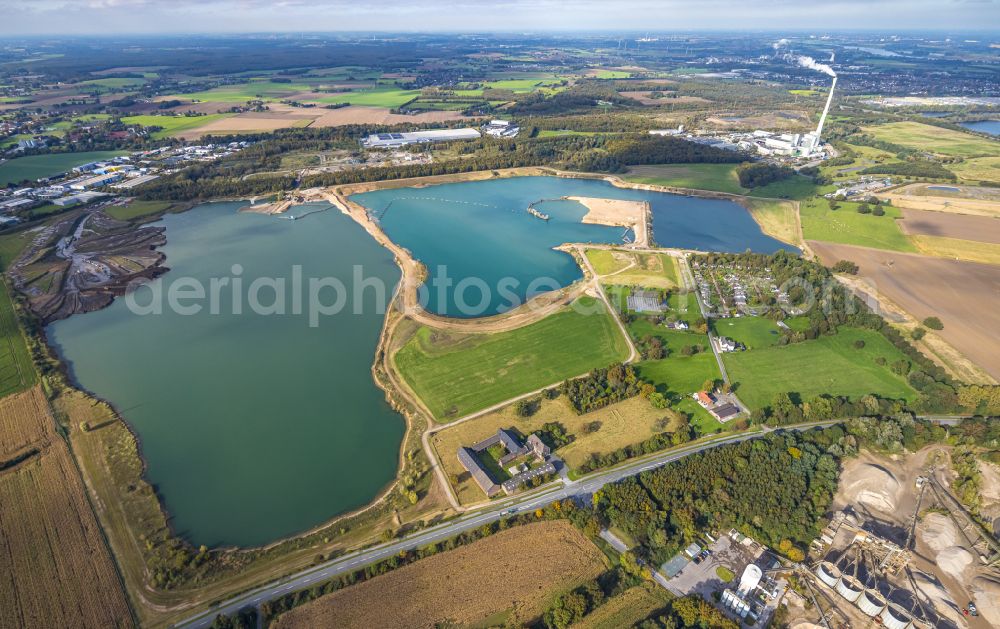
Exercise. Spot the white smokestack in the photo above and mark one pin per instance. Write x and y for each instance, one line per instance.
(826, 110)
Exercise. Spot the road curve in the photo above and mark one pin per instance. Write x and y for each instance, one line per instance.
(473, 519)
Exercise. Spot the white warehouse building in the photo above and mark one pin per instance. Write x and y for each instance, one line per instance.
(387, 140)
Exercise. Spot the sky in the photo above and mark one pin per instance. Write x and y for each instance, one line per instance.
(23, 17)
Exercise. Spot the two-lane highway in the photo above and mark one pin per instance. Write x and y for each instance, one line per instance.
(471, 520)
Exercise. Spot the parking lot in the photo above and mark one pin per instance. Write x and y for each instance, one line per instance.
(703, 578)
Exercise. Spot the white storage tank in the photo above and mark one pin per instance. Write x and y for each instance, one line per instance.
(871, 602)
(850, 588)
(895, 617)
(828, 573)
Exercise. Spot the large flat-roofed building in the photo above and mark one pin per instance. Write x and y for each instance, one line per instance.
(388, 140)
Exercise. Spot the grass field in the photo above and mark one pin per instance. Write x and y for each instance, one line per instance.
(925, 137)
(958, 249)
(39, 166)
(251, 90)
(458, 374)
(11, 246)
(621, 424)
(778, 219)
(555, 133)
(437, 591)
(114, 83)
(678, 376)
(827, 365)
(754, 332)
(172, 125)
(650, 270)
(796, 187)
(978, 169)
(628, 608)
(136, 209)
(606, 261)
(57, 570)
(717, 177)
(388, 97)
(17, 372)
(846, 226)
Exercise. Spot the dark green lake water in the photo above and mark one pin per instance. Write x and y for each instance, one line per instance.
(481, 229)
(253, 426)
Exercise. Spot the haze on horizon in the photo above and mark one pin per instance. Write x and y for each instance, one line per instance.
(114, 17)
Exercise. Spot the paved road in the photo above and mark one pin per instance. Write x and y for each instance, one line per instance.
(527, 502)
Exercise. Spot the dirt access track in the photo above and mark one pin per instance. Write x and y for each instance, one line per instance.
(964, 295)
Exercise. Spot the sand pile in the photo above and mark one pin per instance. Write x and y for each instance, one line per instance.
(954, 560)
(939, 599)
(871, 486)
(937, 531)
(986, 593)
(990, 495)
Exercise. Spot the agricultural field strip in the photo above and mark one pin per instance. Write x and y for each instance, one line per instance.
(495, 510)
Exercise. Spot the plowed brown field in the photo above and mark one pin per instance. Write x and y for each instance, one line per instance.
(963, 226)
(965, 295)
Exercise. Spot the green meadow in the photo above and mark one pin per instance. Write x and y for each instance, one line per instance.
(845, 225)
(457, 374)
(39, 166)
(172, 124)
(827, 365)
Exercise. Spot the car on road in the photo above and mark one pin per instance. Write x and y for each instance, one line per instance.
(973, 610)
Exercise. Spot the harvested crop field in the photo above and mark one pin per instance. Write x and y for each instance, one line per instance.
(978, 201)
(379, 115)
(965, 295)
(965, 227)
(58, 571)
(247, 123)
(519, 570)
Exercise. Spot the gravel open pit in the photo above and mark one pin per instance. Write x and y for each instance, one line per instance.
(871, 486)
(986, 593)
(937, 531)
(931, 590)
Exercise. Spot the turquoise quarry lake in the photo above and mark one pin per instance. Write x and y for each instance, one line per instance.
(481, 229)
(256, 427)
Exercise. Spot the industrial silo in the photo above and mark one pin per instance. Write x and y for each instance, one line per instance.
(895, 617)
(828, 573)
(850, 588)
(871, 602)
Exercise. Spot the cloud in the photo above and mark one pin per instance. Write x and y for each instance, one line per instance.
(164, 16)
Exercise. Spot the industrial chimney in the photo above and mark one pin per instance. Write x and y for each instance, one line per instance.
(826, 110)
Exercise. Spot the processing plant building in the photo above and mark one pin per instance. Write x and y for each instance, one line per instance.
(389, 140)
